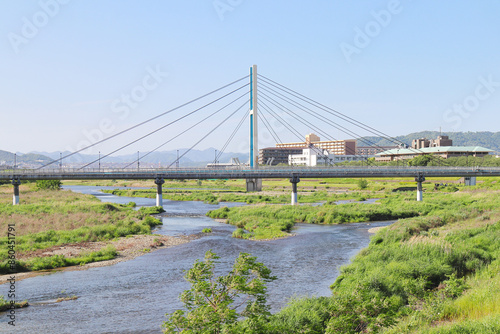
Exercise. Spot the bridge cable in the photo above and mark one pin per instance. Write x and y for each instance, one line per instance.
(144, 122)
(313, 113)
(290, 128)
(320, 117)
(209, 133)
(345, 117)
(164, 126)
(221, 151)
(269, 127)
(299, 118)
(183, 132)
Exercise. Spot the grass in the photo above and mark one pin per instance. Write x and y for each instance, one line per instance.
(438, 272)
(5, 304)
(54, 218)
(276, 221)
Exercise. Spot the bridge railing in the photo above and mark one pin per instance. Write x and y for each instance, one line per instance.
(245, 170)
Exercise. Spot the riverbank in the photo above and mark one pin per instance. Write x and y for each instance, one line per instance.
(127, 248)
(438, 272)
(57, 228)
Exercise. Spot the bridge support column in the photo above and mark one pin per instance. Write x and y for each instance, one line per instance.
(159, 192)
(254, 185)
(469, 181)
(294, 180)
(419, 179)
(15, 197)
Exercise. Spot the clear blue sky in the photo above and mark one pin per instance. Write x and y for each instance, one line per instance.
(60, 79)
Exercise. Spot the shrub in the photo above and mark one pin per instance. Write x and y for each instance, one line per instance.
(362, 184)
(48, 185)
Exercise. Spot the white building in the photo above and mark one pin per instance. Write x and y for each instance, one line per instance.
(311, 157)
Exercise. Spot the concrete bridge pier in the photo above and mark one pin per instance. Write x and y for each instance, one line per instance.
(254, 185)
(419, 179)
(294, 180)
(159, 181)
(15, 197)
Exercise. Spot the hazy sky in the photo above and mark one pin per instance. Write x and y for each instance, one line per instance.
(399, 66)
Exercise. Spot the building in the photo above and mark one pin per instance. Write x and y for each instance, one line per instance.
(338, 147)
(277, 155)
(440, 151)
(424, 142)
(308, 157)
(311, 157)
(372, 150)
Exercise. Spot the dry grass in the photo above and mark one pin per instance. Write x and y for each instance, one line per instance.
(51, 210)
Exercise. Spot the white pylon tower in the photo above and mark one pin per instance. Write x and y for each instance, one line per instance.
(254, 144)
(254, 184)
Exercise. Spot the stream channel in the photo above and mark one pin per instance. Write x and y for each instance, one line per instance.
(134, 296)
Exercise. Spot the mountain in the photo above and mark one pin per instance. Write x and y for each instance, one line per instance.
(192, 159)
(30, 158)
(486, 139)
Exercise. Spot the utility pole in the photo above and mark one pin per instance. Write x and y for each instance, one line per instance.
(15, 160)
(60, 160)
(177, 161)
(138, 159)
(99, 161)
(215, 159)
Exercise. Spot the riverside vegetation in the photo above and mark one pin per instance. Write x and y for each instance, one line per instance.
(49, 218)
(436, 271)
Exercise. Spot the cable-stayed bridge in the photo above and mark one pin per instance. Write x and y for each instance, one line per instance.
(268, 101)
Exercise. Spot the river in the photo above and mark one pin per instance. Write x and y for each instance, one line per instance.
(133, 296)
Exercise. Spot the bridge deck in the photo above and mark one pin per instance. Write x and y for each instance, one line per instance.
(245, 173)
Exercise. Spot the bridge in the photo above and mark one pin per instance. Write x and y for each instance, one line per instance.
(274, 96)
(294, 174)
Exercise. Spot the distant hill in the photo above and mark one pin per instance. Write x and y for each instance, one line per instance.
(193, 158)
(486, 139)
(30, 158)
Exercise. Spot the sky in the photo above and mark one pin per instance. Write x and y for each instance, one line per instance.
(67, 67)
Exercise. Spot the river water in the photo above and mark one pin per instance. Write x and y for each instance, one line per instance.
(133, 296)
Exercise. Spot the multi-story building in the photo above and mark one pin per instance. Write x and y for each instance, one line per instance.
(438, 142)
(338, 147)
(311, 157)
(277, 155)
(372, 150)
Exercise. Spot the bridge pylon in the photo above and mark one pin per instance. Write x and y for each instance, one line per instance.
(253, 184)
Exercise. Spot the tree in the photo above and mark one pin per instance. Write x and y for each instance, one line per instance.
(421, 160)
(48, 184)
(215, 304)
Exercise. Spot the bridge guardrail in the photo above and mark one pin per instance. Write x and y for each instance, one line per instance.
(244, 172)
